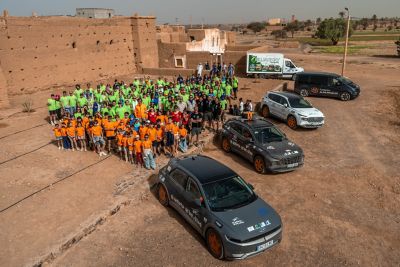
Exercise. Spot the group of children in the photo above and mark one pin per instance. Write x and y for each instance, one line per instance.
(141, 120)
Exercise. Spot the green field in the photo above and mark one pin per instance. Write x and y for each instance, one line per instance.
(323, 42)
(376, 33)
(340, 49)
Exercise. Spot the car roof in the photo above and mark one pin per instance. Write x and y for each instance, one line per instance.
(289, 95)
(317, 73)
(205, 169)
(256, 122)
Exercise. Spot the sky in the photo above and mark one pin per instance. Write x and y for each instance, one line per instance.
(210, 11)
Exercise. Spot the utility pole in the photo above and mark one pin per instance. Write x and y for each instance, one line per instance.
(347, 41)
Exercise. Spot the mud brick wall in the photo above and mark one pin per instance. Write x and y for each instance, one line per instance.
(45, 52)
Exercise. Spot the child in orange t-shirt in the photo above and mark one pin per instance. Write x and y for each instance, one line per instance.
(80, 135)
(58, 136)
(138, 150)
(152, 132)
(183, 138)
(72, 136)
(125, 146)
(130, 141)
(120, 136)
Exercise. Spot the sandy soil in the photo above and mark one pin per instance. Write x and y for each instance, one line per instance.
(341, 208)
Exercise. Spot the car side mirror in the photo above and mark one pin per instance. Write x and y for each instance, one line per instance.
(285, 105)
(198, 202)
(251, 186)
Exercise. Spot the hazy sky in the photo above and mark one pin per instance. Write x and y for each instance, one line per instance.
(212, 11)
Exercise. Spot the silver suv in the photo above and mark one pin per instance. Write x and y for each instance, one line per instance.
(293, 109)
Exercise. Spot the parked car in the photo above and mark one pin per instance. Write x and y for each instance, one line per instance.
(292, 108)
(262, 143)
(325, 84)
(220, 205)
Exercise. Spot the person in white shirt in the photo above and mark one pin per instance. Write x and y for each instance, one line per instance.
(199, 69)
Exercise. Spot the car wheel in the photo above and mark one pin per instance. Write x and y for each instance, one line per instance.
(226, 146)
(162, 195)
(345, 96)
(291, 122)
(265, 111)
(259, 164)
(304, 92)
(214, 244)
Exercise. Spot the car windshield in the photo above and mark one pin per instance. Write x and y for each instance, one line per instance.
(270, 134)
(299, 103)
(344, 80)
(227, 194)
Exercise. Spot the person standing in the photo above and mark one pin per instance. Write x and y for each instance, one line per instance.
(97, 137)
(199, 69)
(231, 70)
(52, 106)
(148, 156)
(195, 124)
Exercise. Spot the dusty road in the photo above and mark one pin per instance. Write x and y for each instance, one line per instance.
(341, 208)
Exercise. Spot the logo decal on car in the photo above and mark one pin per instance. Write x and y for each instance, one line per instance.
(258, 226)
(237, 221)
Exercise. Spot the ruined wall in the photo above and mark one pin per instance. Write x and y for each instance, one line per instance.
(145, 41)
(168, 51)
(44, 52)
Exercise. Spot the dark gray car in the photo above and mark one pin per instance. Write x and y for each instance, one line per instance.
(220, 205)
(263, 144)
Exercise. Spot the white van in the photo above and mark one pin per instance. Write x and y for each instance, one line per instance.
(272, 65)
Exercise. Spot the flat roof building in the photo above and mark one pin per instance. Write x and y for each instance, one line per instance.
(95, 13)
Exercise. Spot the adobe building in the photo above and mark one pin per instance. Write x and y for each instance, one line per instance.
(38, 53)
(180, 48)
(95, 13)
(45, 52)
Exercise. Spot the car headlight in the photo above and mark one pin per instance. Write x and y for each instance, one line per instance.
(301, 115)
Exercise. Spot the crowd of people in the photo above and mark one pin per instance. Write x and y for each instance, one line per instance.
(143, 119)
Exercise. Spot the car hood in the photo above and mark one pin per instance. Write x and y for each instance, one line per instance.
(282, 149)
(309, 112)
(249, 221)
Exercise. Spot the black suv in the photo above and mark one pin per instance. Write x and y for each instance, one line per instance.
(260, 142)
(325, 84)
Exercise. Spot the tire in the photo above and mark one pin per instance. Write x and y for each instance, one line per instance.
(265, 111)
(345, 96)
(259, 164)
(214, 244)
(162, 195)
(304, 92)
(292, 122)
(226, 146)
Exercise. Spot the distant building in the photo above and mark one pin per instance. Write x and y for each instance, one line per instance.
(275, 21)
(95, 13)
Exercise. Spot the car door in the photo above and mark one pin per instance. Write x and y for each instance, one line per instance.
(279, 106)
(195, 207)
(289, 68)
(178, 180)
(283, 108)
(246, 142)
(236, 130)
(334, 87)
(319, 85)
(273, 103)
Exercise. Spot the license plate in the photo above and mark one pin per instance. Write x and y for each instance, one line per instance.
(293, 165)
(265, 246)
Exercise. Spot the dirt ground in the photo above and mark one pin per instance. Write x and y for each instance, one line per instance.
(341, 209)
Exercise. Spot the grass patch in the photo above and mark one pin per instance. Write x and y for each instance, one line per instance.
(340, 49)
(376, 33)
(326, 42)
